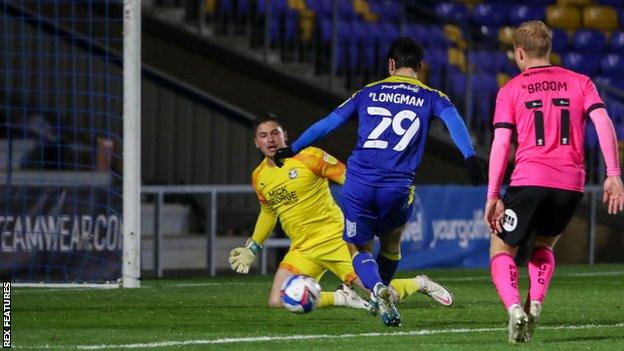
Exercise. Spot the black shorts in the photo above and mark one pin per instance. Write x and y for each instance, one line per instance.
(547, 210)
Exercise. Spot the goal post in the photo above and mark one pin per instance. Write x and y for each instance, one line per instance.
(70, 143)
(131, 266)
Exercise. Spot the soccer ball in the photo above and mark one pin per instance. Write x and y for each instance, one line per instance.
(300, 293)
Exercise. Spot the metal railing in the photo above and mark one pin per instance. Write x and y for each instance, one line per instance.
(212, 191)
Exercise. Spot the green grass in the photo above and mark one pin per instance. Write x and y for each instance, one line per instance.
(179, 310)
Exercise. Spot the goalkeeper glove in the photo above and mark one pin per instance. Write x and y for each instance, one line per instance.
(475, 171)
(281, 154)
(241, 258)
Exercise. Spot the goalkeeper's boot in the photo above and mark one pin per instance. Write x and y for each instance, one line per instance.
(439, 293)
(345, 296)
(518, 321)
(389, 314)
(533, 311)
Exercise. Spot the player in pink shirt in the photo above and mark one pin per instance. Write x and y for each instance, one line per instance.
(547, 106)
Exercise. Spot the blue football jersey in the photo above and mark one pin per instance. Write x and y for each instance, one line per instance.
(394, 116)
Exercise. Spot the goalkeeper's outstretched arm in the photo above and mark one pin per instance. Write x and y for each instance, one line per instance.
(241, 258)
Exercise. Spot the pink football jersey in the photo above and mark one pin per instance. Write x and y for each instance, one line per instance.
(548, 106)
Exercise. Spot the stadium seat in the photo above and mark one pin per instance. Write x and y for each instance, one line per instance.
(388, 10)
(600, 17)
(484, 86)
(436, 58)
(555, 59)
(591, 137)
(418, 32)
(210, 6)
(588, 64)
(563, 17)
(523, 13)
(505, 35)
(585, 40)
(454, 34)
(502, 79)
(616, 3)
(452, 12)
(561, 41)
(617, 42)
(490, 15)
(436, 37)
(457, 58)
(579, 3)
(611, 66)
(457, 84)
(491, 61)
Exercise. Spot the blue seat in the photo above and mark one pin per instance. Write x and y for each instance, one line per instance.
(614, 3)
(560, 42)
(617, 42)
(591, 137)
(436, 58)
(612, 81)
(523, 13)
(325, 30)
(452, 12)
(484, 87)
(418, 32)
(611, 66)
(456, 84)
(490, 15)
(390, 10)
(590, 41)
(588, 64)
(436, 37)
(345, 10)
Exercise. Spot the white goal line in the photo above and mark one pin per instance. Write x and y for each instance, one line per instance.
(257, 339)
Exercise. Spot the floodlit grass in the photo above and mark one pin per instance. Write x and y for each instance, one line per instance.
(584, 310)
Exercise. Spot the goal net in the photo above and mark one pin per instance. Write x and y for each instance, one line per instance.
(62, 141)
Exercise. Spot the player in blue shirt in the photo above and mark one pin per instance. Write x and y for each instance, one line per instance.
(394, 116)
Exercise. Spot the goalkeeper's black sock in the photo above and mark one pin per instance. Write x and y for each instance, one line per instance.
(388, 263)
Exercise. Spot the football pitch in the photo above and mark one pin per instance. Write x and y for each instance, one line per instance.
(583, 311)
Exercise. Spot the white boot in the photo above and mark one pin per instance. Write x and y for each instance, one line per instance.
(439, 293)
(518, 321)
(534, 312)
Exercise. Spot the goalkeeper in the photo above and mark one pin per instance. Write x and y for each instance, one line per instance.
(298, 194)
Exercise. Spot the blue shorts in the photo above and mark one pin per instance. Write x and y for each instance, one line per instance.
(371, 211)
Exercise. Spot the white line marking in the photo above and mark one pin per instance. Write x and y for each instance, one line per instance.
(244, 283)
(253, 339)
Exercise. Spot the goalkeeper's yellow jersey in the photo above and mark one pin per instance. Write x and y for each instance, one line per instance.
(298, 194)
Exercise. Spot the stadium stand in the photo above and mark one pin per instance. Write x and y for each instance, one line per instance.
(468, 44)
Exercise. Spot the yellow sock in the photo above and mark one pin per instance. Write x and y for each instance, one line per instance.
(405, 287)
(327, 299)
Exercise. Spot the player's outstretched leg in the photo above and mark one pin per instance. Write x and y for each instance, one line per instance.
(388, 312)
(518, 321)
(347, 297)
(439, 293)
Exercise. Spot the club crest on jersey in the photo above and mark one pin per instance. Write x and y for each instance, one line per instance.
(510, 222)
(351, 228)
(292, 173)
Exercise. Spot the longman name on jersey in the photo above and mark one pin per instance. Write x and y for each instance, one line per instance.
(546, 85)
(397, 98)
